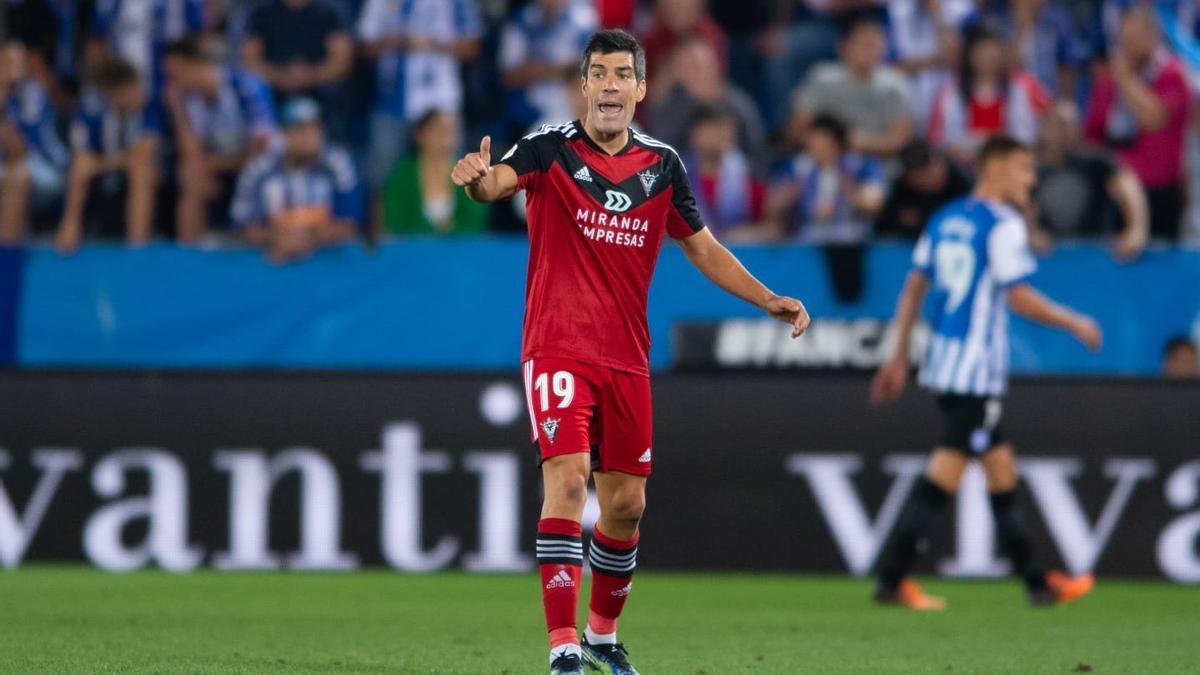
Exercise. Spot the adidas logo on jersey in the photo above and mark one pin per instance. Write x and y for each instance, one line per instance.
(645, 456)
(622, 592)
(560, 580)
(584, 174)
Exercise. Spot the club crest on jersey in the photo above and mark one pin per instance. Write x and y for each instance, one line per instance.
(647, 179)
(617, 201)
(550, 426)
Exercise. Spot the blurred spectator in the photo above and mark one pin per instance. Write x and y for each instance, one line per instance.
(419, 197)
(419, 48)
(138, 31)
(302, 48)
(539, 59)
(1044, 39)
(927, 180)
(675, 20)
(872, 98)
(35, 159)
(986, 98)
(222, 117)
(1180, 358)
(296, 199)
(114, 138)
(52, 29)
(616, 13)
(1140, 109)
(1085, 193)
(697, 82)
(831, 192)
(728, 195)
(925, 44)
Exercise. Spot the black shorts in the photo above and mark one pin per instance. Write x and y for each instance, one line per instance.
(971, 424)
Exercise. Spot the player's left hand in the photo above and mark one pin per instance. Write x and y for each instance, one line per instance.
(789, 310)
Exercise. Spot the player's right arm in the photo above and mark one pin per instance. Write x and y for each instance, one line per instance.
(482, 181)
(892, 377)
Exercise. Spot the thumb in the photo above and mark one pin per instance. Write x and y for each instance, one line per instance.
(485, 149)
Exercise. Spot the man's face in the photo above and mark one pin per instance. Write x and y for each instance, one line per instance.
(822, 146)
(988, 58)
(439, 136)
(612, 91)
(696, 63)
(1182, 361)
(1137, 37)
(1059, 128)
(712, 138)
(1015, 174)
(12, 63)
(863, 48)
(128, 97)
(303, 141)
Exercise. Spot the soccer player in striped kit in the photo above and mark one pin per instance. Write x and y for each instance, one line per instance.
(601, 198)
(974, 257)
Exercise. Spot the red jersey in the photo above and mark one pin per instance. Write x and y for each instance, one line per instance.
(596, 224)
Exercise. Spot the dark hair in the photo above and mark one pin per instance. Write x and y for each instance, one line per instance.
(114, 73)
(999, 147)
(1179, 342)
(856, 19)
(708, 112)
(917, 154)
(975, 35)
(833, 126)
(188, 48)
(612, 41)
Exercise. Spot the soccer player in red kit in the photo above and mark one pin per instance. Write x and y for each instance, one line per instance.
(600, 198)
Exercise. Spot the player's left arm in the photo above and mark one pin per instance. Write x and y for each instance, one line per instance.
(727, 272)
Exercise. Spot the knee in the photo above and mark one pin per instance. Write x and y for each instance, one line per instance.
(16, 175)
(568, 489)
(626, 509)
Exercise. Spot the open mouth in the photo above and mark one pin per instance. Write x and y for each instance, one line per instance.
(611, 109)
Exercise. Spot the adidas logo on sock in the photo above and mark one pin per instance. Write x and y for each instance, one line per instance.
(584, 174)
(622, 592)
(645, 456)
(561, 580)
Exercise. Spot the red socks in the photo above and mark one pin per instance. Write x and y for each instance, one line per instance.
(560, 559)
(613, 562)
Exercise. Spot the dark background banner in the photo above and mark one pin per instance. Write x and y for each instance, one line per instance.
(424, 472)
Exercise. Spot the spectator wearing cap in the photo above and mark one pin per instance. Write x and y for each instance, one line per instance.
(419, 48)
(305, 195)
(871, 98)
(830, 194)
(302, 48)
(223, 117)
(539, 59)
(697, 82)
(138, 31)
(729, 195)
(1180, 358)
(1085, 192)
(114, 138)
(35, 158)
(927, 180)
(987, 97)
(1140, 110)
(419, 197)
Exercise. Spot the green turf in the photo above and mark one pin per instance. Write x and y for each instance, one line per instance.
(73, 620)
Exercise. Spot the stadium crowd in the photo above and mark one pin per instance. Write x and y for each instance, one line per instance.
(291, 124)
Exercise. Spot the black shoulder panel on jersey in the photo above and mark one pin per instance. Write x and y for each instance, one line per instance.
(630, 193)
(536, 151)
(681, 194)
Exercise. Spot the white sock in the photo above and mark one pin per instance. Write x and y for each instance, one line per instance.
(564, 650)
(594, 638)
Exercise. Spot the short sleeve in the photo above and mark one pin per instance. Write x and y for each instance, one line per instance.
(373, 20)
(467, 24)
(531, 156)
(683, 217)
(922, 256)
(1009, 256)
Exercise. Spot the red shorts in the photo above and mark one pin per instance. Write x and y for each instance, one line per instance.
(578, 407)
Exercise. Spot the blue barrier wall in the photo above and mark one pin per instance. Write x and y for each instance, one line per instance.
(443, 304)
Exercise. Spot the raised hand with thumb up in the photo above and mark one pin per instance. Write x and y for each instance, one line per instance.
(475, 166)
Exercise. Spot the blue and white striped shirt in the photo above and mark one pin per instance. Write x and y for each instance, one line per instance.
(972, 251)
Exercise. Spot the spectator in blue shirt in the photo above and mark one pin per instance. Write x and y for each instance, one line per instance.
(419, 47)
(138, 31)
(114, 137)
(539, 59)
(51, 29)
(35, 159)
(305, 195)
(223, 118)
(829, 194)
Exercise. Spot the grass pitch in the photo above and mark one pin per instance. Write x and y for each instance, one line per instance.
(75, 620)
